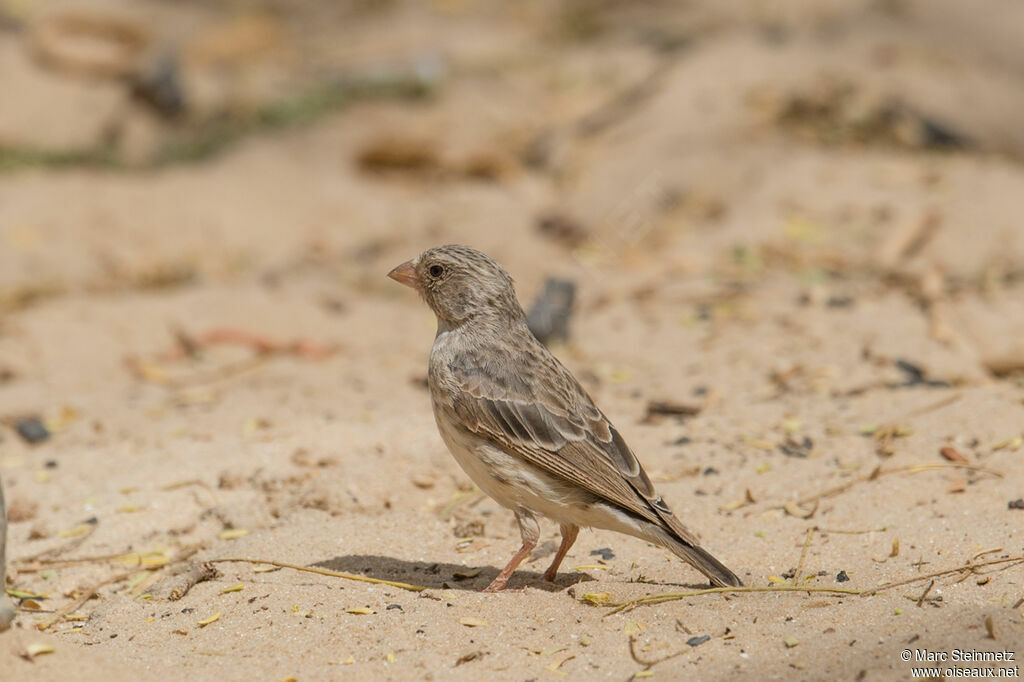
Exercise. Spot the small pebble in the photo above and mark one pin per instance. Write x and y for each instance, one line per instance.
(32, 430)
(1016, 504)
(841, 577)
(697, 641)
(423, 482)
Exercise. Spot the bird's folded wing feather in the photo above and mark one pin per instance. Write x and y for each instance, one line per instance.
(558, 428)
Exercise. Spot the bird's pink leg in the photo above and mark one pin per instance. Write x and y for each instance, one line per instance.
(499, 582)
(569, 533)
(530, 530)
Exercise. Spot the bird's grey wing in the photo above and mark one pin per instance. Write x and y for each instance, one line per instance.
(537, 410)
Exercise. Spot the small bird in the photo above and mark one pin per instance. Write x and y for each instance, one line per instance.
(522, 427)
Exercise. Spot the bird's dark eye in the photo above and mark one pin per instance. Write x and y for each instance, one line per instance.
(436, 271)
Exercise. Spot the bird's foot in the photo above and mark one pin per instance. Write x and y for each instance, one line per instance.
(496, 586)
(502, 586)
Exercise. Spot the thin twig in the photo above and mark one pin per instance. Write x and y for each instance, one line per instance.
(196, 482)
(324, 571)
(649, 664)
(803, 555)
(201, 379)
(33, 565)
(970, 567)
(91, 592)
(933, 406)
(674, 596)
(197, 573)
(76, 541)
(920, 600)
(840, 531)
(978, 555)
(876, 474)
(84, 597)
(917, 468)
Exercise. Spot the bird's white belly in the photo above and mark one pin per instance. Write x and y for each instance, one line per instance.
(493, 470)
(514, 483)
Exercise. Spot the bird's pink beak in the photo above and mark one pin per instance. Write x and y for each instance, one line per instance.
(405, 274)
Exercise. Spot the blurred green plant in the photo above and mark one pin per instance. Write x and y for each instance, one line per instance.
(209, 138)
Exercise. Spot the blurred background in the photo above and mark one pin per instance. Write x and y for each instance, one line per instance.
(785, 223)
(157, 143)
(306, 147)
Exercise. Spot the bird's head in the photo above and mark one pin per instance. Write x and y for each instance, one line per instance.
(460, 283)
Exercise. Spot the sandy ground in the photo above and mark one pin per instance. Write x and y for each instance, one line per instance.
(803, 224)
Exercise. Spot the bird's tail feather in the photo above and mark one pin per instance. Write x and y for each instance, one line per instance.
(701, 559)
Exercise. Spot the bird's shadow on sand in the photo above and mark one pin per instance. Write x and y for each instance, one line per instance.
(439, 575)
(443, 575)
